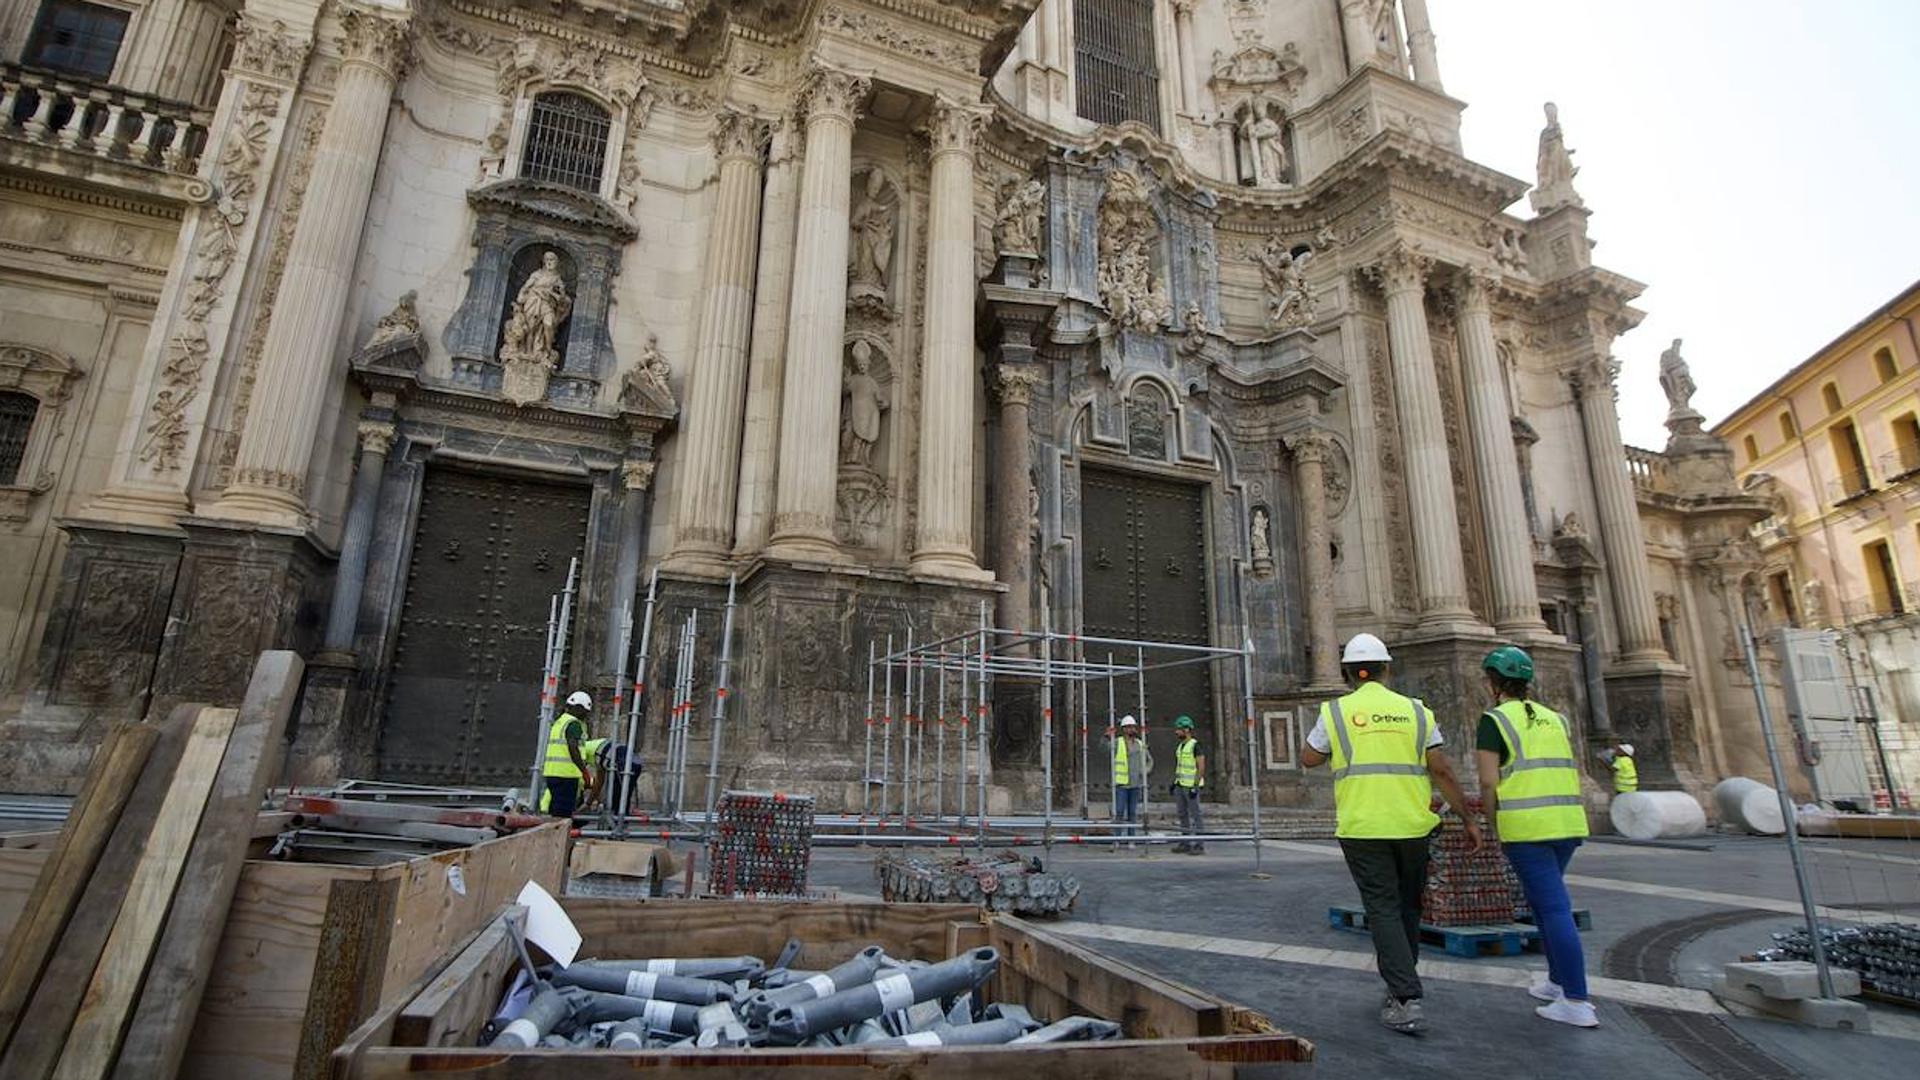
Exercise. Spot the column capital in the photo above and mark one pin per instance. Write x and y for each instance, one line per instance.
(267, 47)
(1473, 290)
(1403, 268)
(369, 37)
(1184, 8)
(1014, 383)
(829, 92)
(1309, 447)
(739, 134)
(637, 475)
(376, 436)
(954, 126)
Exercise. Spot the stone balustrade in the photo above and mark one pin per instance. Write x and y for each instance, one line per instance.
(100, 121)
(1650, 470)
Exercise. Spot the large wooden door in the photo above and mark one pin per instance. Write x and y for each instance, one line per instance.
(463, 697)
(1144, 569)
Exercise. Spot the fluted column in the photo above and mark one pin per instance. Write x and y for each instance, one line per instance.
(270, 469)
(1503, 507)
(1439, 570)
(1316, 553)
(356, 538)
(944, 538)
(1620, 535)
(636, 479)
(703, 518)
(1189, 70)
(767, 356)
(1013, 457)
(1356, 24)
(810, 412)
(1426, 61)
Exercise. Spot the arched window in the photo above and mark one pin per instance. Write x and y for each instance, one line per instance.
(17, 411)
(1830, 395)
(1116, 77)
(1884, 365)
(566, 141)
(1786, 426)
(1752, 447)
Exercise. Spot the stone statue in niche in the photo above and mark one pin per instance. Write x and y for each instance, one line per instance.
(1016, 227)
(1260, 542)
(1289, 301)
(649, 376)
(1554, 168)
(865, 401)
(400, 323)
(527, 354)
(1263, 140)
(875, 214)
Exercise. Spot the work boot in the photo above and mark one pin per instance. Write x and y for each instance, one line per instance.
(1405, 1017)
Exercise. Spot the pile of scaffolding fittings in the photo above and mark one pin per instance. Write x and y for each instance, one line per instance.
(1887, 956)
(761, 845)
(1001, 882)
(736, 1002)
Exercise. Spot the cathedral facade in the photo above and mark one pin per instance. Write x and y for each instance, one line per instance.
(346, 326)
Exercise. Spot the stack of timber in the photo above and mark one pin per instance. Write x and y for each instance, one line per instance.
(1167, 1030)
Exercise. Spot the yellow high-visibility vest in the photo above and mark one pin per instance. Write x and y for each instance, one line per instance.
(1120, 774)
(1539, 788)
(1377, 746)
(559, 762)
(1186, 772)
(1625, 776)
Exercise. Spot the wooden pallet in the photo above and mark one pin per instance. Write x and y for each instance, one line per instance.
(1499, 939)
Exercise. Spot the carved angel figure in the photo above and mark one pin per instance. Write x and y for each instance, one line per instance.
(538, 311)
(1016, 228)
(1289, 301)
(652, 371)
(865, 401)
(402, 322)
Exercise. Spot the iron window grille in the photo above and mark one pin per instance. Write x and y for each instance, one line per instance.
(566, 141)
(17, 412)
(1115, 73)
(77, 38)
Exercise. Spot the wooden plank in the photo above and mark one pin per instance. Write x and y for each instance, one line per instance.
(451, 1009)
(963, 935)
(19, 871)
(62, 877)
(346, 977)
(115, 988)
(377, 1030)
(833, 931)
(1146, 1006)
(15, 841)
(1240, 1058)
(42, 1031)
(163, 1017)
(268, 824)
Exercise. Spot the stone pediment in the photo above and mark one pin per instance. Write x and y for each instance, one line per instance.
(555, 204)
(1256, 68)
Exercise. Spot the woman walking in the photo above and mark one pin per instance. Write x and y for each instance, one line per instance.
(1530, 783)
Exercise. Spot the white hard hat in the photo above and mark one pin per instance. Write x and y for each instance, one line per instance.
(580, 698)
(1365, 648)
(1128, 721)
(1626, 748)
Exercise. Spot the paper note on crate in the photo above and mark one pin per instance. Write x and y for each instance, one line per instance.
(548, 926)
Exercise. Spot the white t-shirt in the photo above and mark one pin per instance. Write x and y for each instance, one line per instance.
(1317, 738)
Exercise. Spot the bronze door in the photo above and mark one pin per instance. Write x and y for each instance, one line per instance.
(463, 697)
(1144, 572)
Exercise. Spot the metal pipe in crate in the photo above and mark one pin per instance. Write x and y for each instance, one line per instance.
(793, 1024)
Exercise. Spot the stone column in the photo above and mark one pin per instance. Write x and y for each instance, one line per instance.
(350, 578)
(636, 478)
(1356, 24)
(1439, 570)
(767, 357)
(1189, 71)
(1503, 507)
(703, 518)
(298, 362)
(1309, 450)
(817, 322)
(1426, 62)
(1620, 534)
(1012, 480)
(944, 537)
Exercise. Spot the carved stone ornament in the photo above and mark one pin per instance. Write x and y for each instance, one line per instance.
(873, 221)
(954, 127)
(402, 322)
(907, 40)
(637, 475)
(1403, 267)
(267, 48)
(1290, 303)
(44, 376)
(376, 436)
(1676, 380)
(1502, 241)
(1260, 542)
(1255, 66)
(1015, 383)
(739, 134)
(370, 37)
(829, 92)
(1128, 235)
(1194, 322)
(527, 354)
(864, 403)
(1016, 223)
(1571, 528)
(861, 502)
(644, 388)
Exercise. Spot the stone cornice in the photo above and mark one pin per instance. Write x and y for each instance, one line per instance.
(162, 204)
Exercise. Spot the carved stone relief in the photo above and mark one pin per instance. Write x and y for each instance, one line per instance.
(1016, 226)
(1392, 476)
(1290, 303)
(1129, 236)
(527, 340)
(105, 657)
(863, 495)
(1147, 417)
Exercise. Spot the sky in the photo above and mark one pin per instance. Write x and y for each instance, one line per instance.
(1754, 162)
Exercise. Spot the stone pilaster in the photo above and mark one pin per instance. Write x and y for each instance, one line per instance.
(944, 537)
(1440, 572)
(704, 516)
(1309, 449)
(1189, 69)
(356, 539)
(1620, 534)
(1503, 508)
(817, 322)
(270, 470)
(1426, 61)
(636, 481)
(1012, 529)
(767, 360)
(1356, 25)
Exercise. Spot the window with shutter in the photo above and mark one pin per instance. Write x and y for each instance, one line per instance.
(17, 411)
(1114, 71)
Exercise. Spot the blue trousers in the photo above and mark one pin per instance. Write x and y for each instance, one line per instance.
(1541, 867)
(1126, 807)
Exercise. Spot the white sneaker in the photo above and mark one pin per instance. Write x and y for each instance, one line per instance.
(1568, 1011)
(1546, 990)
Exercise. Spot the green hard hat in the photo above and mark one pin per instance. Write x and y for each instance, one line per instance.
(1509, 663)
(1184, 723)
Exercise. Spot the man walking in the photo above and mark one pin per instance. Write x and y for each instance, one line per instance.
(1131, 766)
(1385, 750)
(566, 760)
(1189, 776)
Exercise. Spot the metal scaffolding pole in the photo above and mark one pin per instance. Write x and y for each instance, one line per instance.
(1046, 720)
(866, 770)
(965, 715)
(1140, 682)
(920, 741)
(721, 677)
(634, 704)
(886, 731)
(1253, 765)
(940, 747)
(1113, 794)
(980, 731)
(560, 613)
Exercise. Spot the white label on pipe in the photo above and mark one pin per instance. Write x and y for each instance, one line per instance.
(640, 984)
(896, 991)
(821, 984)
(922, 1038)
(660, 1015)
(526, 1031)
(660, 967)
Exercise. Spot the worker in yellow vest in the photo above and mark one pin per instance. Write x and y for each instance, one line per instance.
(1530, 782)
(1189, 778)
(1387, 758)
(1132, 764)
(566, 760)
(1626, 777)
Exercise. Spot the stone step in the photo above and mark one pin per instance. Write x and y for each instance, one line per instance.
(1835, 1013)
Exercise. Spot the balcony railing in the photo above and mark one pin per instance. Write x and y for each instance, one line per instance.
(1901, 463)
(1650, 470)
(1904, 600)
(1849, 486)
(104, 122)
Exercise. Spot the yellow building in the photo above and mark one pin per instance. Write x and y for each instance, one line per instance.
(1834, 444)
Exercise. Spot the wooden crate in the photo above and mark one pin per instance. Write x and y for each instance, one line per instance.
(1171, 1031)
(311, 949)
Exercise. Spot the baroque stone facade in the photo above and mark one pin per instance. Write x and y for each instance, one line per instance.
(452, 292)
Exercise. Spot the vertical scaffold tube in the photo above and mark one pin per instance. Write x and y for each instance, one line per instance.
(1253, 766)
(866, 770)
(1146, 788)
(722, 678)
(1113, 793)
(886, 730)
(1046, 724)
(980, 734)
(536, 779)
(940, 744)
(634, 705)
(965, 711)
(906, 733)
